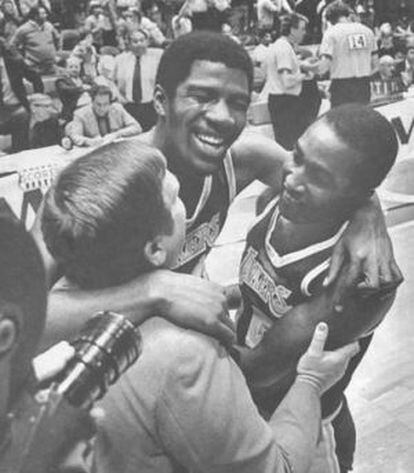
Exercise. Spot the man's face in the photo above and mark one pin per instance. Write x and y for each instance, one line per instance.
(42, 16)
(174, 241)
(8, 7)
(386, 69)
(206, 115)
(318, 181)
(139, 43)
(299, 32)
(73, 68)
(101, 104)
(267, 39)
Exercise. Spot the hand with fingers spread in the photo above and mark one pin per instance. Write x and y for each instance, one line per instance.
(367, 247)
(324, 368)
(195, 303)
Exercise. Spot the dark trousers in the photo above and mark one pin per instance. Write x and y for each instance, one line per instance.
(287, 118)
(311, 101)
(14, 120)
(144, 114)
(353, 90)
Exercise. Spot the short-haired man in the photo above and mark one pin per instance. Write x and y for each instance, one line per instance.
(203, 91)
(349, 52)
(102, 120)
(38, 41)
(135, 71)
(180, 405)
(335, 167)
(284, 79)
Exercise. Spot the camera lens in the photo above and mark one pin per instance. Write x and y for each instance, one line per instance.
(106, 347)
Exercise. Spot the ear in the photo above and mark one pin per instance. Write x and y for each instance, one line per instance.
(160, 101)
(9, 328)
(155, 252)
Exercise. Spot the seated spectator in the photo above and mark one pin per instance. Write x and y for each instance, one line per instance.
(38, 41)
(135, 72)
(152, 22)
(14, 106)
(101, 119)
(385, 82)
(101, 23)
(106, 77)
(86, 52)
(268, 11)
(44, 127)
(9, 19)
(386, 41)
(71, 89)
(406, 67)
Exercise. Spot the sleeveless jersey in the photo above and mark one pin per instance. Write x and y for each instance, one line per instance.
(207, 220)
(271, 284)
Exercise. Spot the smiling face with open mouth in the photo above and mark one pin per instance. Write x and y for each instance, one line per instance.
(206, 115)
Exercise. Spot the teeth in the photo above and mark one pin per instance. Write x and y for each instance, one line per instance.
(210, 140)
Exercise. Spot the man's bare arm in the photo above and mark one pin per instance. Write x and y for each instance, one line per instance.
(286, 340)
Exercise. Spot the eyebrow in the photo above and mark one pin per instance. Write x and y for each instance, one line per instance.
(206, 88)
(313, 164)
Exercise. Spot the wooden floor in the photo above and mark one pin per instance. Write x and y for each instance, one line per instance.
(382, 391)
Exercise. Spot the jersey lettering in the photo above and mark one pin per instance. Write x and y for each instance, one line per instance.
(199, 240)
(254, 275)
(357, 41)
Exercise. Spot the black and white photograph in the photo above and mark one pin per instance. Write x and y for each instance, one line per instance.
(206, 236)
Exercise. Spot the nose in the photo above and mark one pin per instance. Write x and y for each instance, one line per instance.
(293, 179)
(219, 113)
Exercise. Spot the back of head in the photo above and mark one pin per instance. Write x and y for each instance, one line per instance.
(370, 135)
(102, 210)
(22, 294)
(337, 10)
(177, 60)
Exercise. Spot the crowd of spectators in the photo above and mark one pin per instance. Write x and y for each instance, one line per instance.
(69, 48)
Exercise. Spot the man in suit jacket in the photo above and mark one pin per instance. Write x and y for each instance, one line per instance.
(101, 121)
(14, 106)
(135, 72)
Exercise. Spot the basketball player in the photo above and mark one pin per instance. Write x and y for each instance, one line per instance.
(202, 95)
(335, 167)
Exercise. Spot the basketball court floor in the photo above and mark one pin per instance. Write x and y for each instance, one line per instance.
(381, 394)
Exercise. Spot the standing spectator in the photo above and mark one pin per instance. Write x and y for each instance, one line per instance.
(101, 119)
(267, 11)
(14, 106)
(284, 82)
(349, 52)
(132, 20)
(71, 89)
(135, 72)
(9, 20)
(38, 41)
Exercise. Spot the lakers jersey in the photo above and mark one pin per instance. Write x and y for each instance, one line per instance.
(271, 284)
(207, 220)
